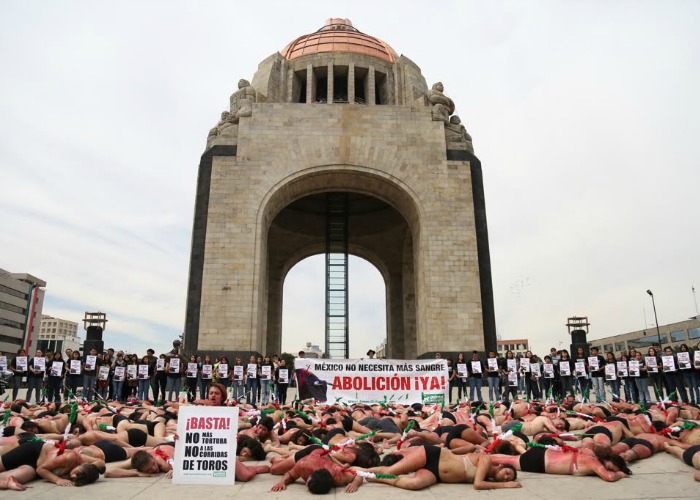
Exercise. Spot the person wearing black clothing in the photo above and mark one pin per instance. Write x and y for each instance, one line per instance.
(476, 370)
(674, 378)
(565, 368)
(492, 376)
(152, 360)
(642, 381)
(282, 386)
(18, 372)
(53, 392)
(74, 377)
(597, 375)
(89, 375)
(508, 389)
(581, 379)
(35, 376)
(161, 377)
(613, 383)
(266, 380)
(549, 376)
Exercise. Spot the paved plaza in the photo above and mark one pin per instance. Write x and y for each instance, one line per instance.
(661, 476)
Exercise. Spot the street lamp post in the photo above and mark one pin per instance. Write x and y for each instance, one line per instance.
(658, 333)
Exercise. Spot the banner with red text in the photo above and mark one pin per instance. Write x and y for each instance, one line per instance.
(388, 381)
(205, 452)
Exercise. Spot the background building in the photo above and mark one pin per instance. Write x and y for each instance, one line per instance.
(21, 301)
(518, 346)
(673, 334)
(58, 334)
(312, 351)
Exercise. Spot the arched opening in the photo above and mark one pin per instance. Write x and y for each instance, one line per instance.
(303, 307)
(378, 231)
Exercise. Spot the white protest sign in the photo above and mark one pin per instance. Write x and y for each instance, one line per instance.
(696, 358)
(191, 370)
(622, 368)
(237, 372)
(56, 369)
(160, 364)
(548, 370)
(266, 372)
(652, 365)
(634, 368)
(252, 370)
(283, 376)
(143, 371)
(535, 369)
(3, 363)
(564, 368)
(90, 362)
(21, 363)
(684, 360)
(669, 364)
(512, 365)
(206, 372)
(580, 368)
(222, 370)
(132, 372)
(40, 364)
(119, 373)
(462, 370)
(104, 373)
(512, 379)
(593, 363)
(610, 372)
(476, 367)
(75, 366)
(493, 364)
(525, 364)
(174, 365)
(206, 450)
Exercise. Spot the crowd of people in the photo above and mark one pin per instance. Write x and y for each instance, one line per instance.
(633, 376)
(77, 438)
(50, 376)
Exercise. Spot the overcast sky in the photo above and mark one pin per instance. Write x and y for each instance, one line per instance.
(585, 115)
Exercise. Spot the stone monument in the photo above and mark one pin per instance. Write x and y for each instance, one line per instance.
(339, 113)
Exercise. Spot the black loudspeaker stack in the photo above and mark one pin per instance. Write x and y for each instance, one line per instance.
(578, 339)
(93, 339)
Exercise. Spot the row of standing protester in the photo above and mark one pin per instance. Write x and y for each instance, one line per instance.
(671, 375)
(121, 377)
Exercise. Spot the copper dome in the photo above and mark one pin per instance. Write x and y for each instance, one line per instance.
(338, 35)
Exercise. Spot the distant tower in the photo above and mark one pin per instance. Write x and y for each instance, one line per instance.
(339, 147)
(578, 330)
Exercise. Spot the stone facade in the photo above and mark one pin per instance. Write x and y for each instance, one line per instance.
(419, 219)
